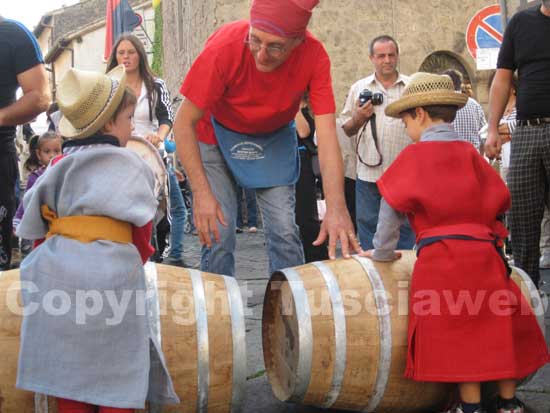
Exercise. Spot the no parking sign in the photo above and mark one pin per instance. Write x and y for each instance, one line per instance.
(484, 30)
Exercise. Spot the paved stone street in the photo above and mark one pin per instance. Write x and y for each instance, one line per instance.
(251, 268)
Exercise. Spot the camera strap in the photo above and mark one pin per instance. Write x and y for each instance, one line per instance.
(372, 122)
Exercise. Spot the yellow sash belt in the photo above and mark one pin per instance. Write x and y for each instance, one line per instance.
(87, 228)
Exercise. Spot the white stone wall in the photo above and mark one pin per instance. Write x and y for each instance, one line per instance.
(88, 48)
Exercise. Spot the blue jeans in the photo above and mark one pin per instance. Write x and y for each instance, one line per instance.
(251, 212)
(276, 204)
(178, 213)
(367, 208)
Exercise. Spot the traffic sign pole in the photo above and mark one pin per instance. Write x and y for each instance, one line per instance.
(503, 14)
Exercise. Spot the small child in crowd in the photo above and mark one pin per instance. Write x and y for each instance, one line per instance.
(95, 209)
(452, 198)
(42, 149)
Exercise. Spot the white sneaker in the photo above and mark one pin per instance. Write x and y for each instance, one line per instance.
(458, 409)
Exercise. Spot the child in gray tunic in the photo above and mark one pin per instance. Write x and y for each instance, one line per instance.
(85, 336)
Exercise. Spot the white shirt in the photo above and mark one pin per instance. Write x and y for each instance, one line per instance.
(392, 137)
(143, 126)
(469, 121)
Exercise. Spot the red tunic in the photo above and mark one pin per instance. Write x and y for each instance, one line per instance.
(224, 82)
(468, 322)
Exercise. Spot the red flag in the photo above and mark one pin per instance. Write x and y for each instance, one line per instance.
(120, 18)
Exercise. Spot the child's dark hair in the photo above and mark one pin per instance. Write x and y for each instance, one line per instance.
(128, 99)
(515, 81)
(35, 143)
(446, 113)
(456, 77)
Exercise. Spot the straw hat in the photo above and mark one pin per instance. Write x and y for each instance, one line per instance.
(88, 100)
(427, 89)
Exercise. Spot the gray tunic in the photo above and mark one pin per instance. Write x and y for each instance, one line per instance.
(85, 335)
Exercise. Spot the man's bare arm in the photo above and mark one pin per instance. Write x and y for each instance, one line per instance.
(337, 223)
(499, 95)
(35, 99)
(206, 209)
(498, 98)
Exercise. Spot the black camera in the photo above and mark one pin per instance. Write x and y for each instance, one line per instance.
(377, 98)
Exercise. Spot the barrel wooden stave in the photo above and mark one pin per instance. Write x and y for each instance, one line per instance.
(362, 331)
(220, 341)
(181, 343)
(283, 354)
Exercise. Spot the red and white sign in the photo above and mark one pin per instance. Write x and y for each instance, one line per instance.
(485, 30)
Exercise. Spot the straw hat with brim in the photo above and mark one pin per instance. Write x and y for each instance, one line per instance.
(88, 100)
(426, 89)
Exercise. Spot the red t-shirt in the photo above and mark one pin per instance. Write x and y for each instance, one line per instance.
(224, 82)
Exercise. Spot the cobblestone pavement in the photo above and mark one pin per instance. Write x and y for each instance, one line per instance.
(252, 272)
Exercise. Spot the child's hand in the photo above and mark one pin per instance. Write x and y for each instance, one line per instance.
(504, 133)
(370, 254)
(154, 139)
(367, 254)
(180, 177)
(505, 138)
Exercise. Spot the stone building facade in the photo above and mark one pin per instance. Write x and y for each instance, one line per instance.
(74, 36)
(431, 34)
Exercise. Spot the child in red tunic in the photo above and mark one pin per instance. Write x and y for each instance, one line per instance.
(468, 320)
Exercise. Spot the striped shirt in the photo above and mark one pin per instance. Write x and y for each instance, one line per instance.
(469, 121)
(392, 137)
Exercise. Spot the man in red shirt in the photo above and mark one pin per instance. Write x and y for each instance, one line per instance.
(236, 126)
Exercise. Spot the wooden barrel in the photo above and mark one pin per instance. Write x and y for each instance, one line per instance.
(335, 336)
(201, 319)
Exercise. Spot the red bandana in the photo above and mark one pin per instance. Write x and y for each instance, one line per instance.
(287, 18)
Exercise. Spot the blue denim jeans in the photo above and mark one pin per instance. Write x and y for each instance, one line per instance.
(251, 211)
(276, 204)
(178, 213)
(367, 208)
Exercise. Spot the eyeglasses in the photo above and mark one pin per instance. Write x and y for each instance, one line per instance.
(272, 50)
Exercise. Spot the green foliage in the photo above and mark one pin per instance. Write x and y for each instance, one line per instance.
(259, 373)
(158, 55)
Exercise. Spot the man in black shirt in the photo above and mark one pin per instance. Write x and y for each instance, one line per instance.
(525, 48)
(21, 65)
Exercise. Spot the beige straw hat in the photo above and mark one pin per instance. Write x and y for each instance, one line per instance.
(426, 89)
(88, 100)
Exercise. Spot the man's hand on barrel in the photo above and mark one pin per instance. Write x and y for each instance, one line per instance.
(207, 211)
(336, 226)
(370, 254)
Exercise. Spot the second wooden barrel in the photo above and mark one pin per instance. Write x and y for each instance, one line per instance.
(200, 317)
(335, 336)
